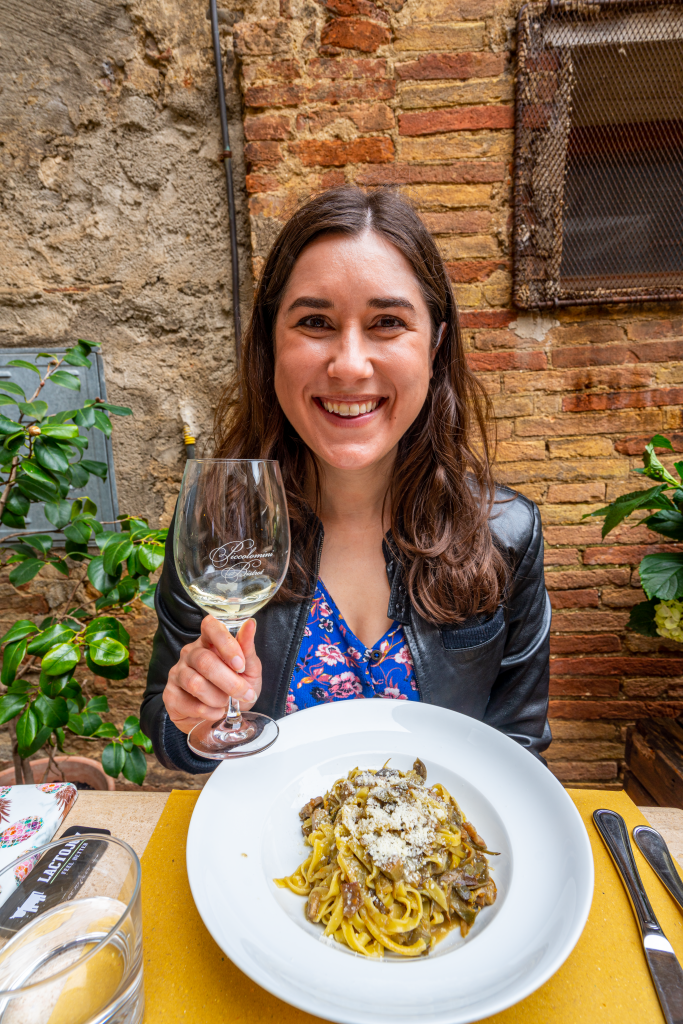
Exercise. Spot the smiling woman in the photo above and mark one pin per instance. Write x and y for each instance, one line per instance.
(354, 378)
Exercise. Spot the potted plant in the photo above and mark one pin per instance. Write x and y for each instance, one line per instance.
(661, 574)
(107, 564)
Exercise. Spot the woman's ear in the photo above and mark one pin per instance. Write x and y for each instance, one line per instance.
(439, 338)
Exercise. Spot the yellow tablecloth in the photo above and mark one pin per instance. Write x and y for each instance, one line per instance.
(604, 981)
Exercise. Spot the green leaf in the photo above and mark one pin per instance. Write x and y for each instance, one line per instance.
(106, 731)
(11, 660)
(123, 592)
(25, 571)
(22, 628)
(668, 523)
(79, 476)
(135, 767)
(116, 552)
(53, 686)
(60, 659)
(60, 431)
(120, 671)
(50, 458)
(18, 503)
(91, 722)
(12, 520)
(100, 579)
(36, 472)
(54, 634)
(85, 418)
(58, 513)
(41, 737)
(99, 469)
(8, 426)
(60, 565)
(107, 625)
(25, 364)
(98, 705)
(662, 576)
(40, 541)
(12, 389)
(117, 410)
(143, 741)
(75, 723)
(130, 726)
(151, 555)
(76, 551)
(102, 422)
(10, 706)
(75, 357)
(52, 712)
(107, 652)
(35, 409)
(659, 441)
(59, 733)
(79, 532)
(654, 468)
(113, 759)
(66, 380)
(27, 727)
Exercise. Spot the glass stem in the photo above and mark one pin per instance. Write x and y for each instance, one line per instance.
(233, 709)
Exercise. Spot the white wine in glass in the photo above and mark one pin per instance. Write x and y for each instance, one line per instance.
(231, 549)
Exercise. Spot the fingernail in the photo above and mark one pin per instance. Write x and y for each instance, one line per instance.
(250, 696)
(238, 663)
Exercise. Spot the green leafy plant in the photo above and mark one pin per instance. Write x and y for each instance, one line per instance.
(661, 574)
(41, 460)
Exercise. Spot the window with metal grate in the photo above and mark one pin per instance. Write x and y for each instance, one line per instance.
(599, 153)
(102, 492)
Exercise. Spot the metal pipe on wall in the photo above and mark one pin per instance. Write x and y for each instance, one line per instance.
(226, 157)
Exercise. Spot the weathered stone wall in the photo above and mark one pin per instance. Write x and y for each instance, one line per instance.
(114, 227)
(419, 93)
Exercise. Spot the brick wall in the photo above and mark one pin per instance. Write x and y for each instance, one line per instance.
(420, 94)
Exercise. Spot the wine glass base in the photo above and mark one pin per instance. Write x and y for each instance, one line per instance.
(249, 734)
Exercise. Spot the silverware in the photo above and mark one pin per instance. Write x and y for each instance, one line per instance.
(655, 851)
(664, 967)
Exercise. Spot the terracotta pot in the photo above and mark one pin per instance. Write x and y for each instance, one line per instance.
(76, 769)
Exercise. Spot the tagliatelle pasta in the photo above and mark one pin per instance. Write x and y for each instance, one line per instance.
(394, 866)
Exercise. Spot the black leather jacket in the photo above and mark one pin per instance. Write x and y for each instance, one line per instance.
(492, 668)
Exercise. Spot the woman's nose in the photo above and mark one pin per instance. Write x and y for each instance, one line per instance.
(351, 358)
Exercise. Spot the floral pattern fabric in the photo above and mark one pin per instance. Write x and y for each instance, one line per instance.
(334, 665)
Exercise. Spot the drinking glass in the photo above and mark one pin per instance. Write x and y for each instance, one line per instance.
(71, 936)
(231, 549)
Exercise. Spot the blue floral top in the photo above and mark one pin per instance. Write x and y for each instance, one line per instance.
(334, 665)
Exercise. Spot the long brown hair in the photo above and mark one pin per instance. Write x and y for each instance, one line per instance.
(441, 490)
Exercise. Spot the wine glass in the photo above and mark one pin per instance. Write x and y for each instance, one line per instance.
(231, 549)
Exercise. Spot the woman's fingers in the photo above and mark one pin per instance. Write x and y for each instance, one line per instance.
(218, 636)
(245, 638)
(206, 665)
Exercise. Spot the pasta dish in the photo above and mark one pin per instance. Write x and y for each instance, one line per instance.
(395, 865)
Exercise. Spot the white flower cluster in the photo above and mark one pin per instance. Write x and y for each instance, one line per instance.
(669, 620)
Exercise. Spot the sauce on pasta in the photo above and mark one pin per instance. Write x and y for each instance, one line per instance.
(394, 864)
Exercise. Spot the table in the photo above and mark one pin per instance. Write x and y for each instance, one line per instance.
(133, 817)
(604, 979)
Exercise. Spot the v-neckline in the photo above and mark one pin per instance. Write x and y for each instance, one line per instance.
(330, 600)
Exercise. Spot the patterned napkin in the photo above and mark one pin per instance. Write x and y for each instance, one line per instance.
(29, 818)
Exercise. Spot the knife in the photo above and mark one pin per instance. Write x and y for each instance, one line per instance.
(656, 853)
(664, 967)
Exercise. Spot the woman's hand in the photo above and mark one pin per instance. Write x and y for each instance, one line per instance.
(213, 668)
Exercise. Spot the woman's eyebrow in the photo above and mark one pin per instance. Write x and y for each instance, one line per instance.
(311, 303)
(395, 300)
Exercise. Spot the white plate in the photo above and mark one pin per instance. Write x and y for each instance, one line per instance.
(245, 831)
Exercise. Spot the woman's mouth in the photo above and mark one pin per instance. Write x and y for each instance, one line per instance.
(349, 410)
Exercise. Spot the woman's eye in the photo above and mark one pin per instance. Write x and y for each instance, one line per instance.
(390, 322)
(316, 323)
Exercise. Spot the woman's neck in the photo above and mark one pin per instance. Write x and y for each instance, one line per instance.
(356, 497)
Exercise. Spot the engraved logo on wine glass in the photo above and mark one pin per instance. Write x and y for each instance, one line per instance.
(238, 559)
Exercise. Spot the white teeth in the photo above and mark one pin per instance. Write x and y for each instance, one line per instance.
(349, 411)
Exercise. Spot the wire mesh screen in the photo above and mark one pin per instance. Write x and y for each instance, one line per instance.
(599, 153)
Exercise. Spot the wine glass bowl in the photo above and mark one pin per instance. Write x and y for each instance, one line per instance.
(231, 549)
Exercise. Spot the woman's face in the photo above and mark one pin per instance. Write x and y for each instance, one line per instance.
(353, 352)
